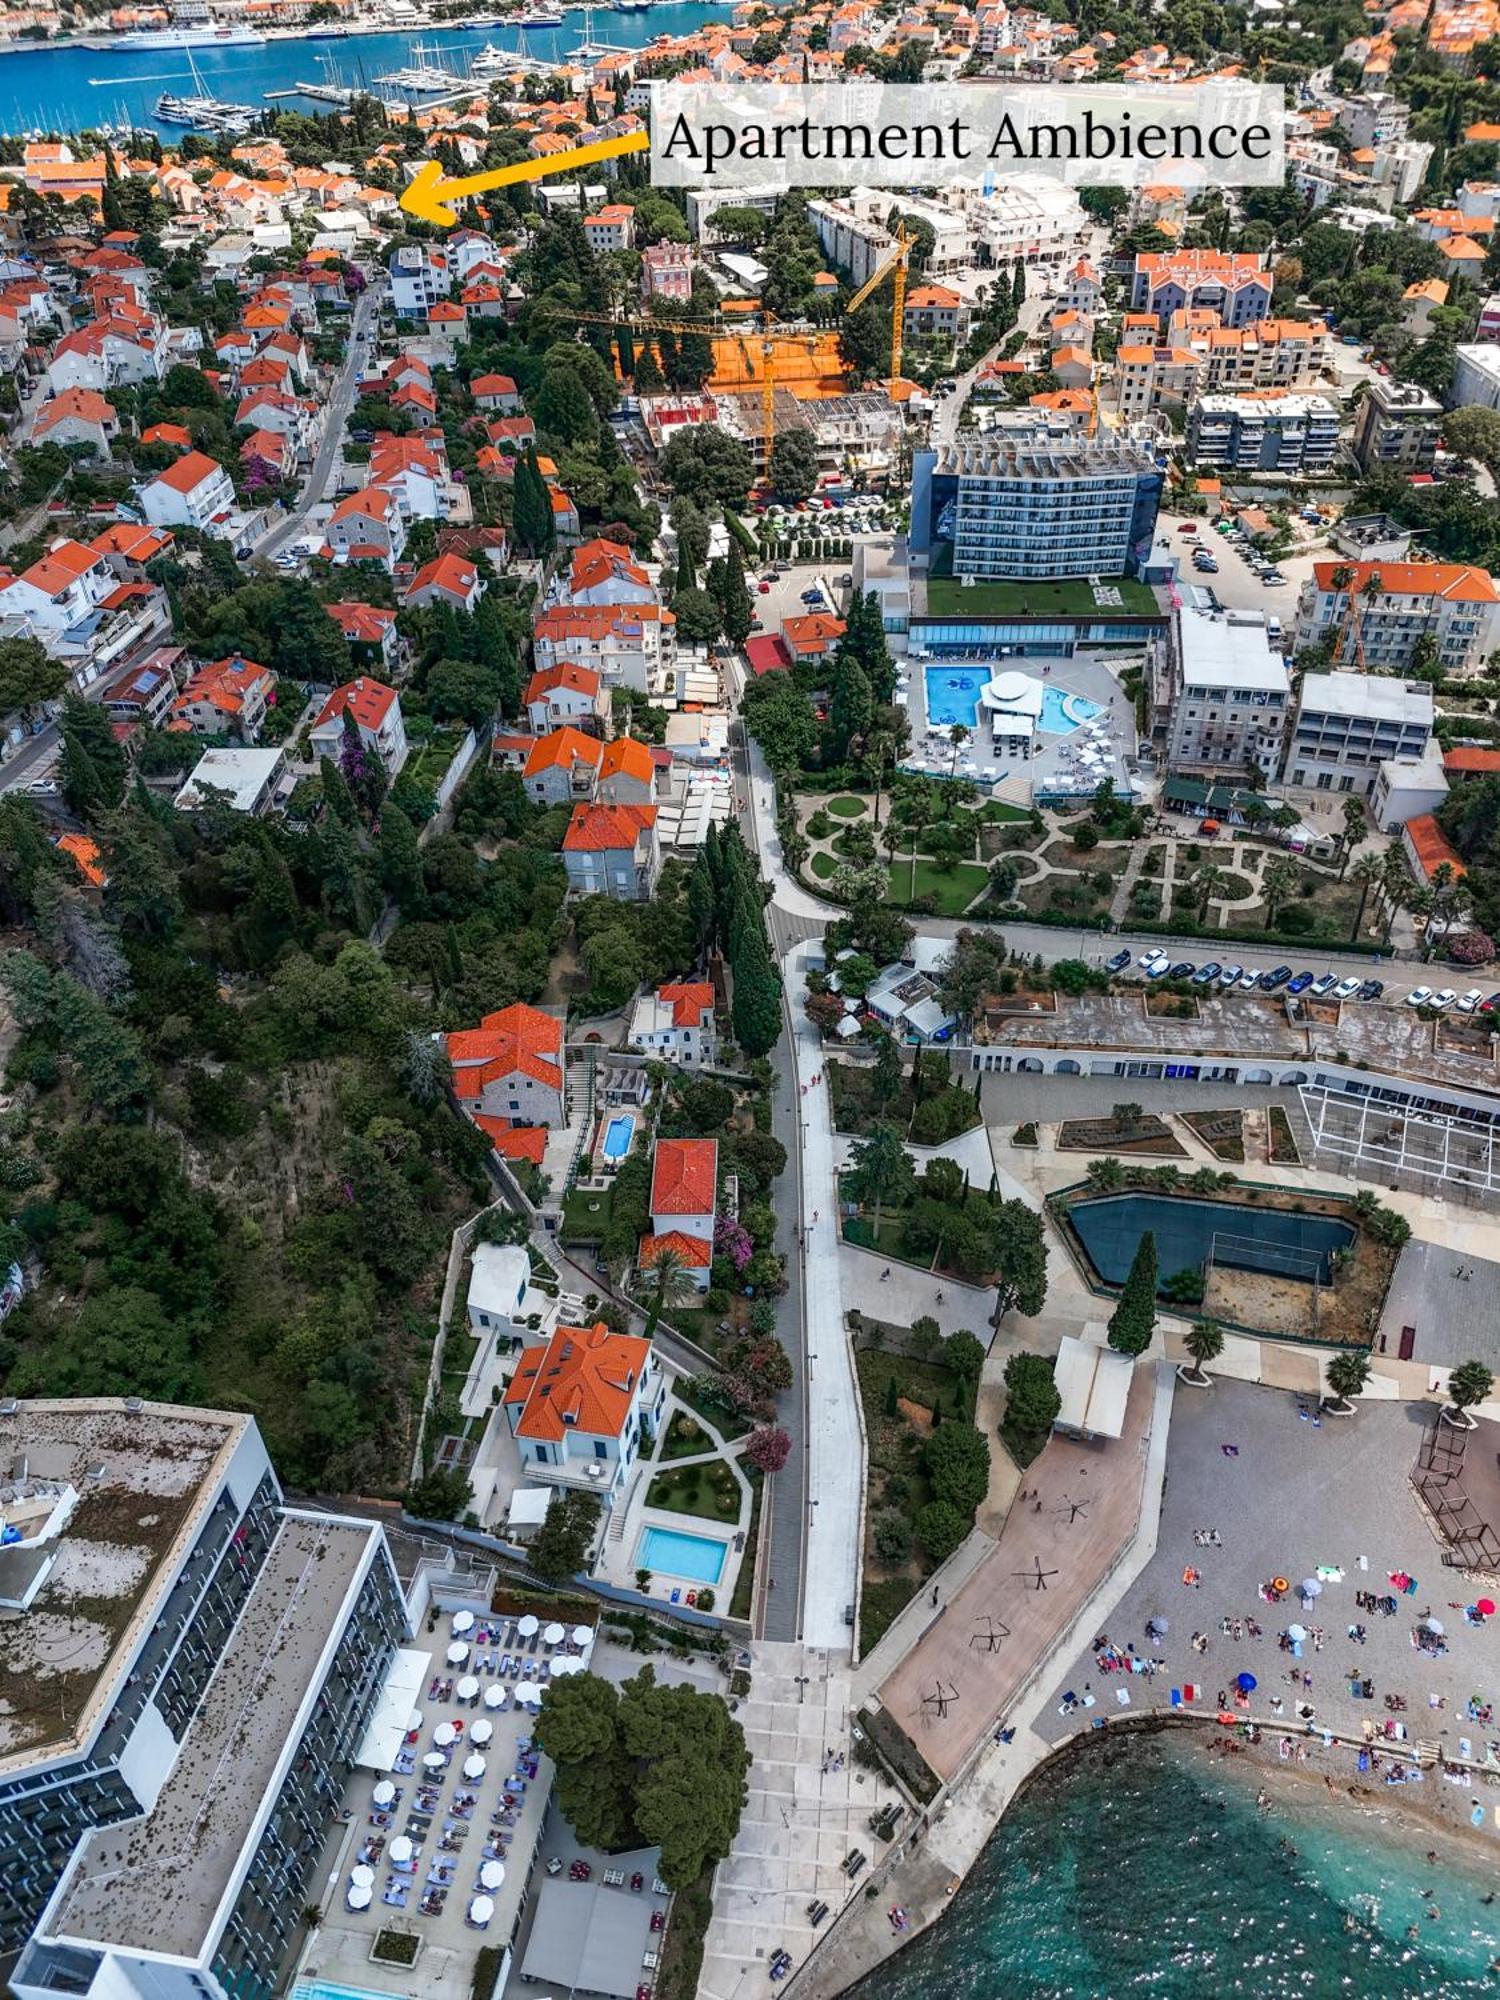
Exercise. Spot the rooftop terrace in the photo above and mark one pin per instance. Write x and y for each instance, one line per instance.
(157, 1884)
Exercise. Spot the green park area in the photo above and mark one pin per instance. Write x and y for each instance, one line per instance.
(1069, 596)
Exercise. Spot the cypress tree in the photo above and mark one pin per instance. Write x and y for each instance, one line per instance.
(1134, 1319)
(1018, 285)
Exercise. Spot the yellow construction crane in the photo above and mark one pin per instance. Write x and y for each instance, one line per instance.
(895, 265)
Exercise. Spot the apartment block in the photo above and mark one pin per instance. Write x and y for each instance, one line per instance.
(1265, 431)
(1347, 725)
(1237, 286)
(1230, 695)
(1034, 503)
(1397, 424)
(1374, 613)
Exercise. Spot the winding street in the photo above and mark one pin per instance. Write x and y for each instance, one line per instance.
(335, 413)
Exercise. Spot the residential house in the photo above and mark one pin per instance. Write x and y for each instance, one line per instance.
(676, 1024)
(1377, 612)
(602, 572)
(611, 228)
(567, 694)
(195, 492)
(612, 851)
(627, 645)
(448, 579)
(59, 589)
(683, 1203)
(420, 276)
(496, 392)
(510, 1068)
(230, 696)
(627, 773)
(370, 630)
(581, 1408)
(1236, 285)
(77, 416)
(667, 273)
(365, 527)
(1398, 424)
(377, 714)
(562, 767)
(499, 1278)
(245, 778)
(144, 693)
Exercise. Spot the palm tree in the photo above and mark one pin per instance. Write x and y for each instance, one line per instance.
(1368, 870)
(958, 736)
(1346, 1373)
(1354, 826)
(880, 748)
(1209, 881)
(1204, 1341)
(671, 1283)
(1278, 882)
(1470, 1383)
(918, 813)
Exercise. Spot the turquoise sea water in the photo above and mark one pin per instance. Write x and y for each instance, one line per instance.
(1137, 1867)
(67, 89)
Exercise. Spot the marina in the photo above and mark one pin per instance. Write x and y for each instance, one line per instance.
(73, 87)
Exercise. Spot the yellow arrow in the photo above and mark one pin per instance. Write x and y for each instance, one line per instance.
(431, 197)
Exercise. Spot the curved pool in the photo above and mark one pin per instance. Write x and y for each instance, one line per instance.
(1240, 1234)
(1063, 711)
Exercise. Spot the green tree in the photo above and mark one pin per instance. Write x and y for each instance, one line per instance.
(29, 676)
(401, 861)
(1133, 1321)
(940, 1528)
(794, 464)
(1204, 1341)
(1018, 1254)
(671, 1284)
(734, 596)
(957, 1462)
(560, 1546)
(443, 1493)
(756, 1012)
(880, 1170)
(699, 620)
(1031, 1395)
(964, 1355)
(1469, 1383)
(531, 506)
(1347, 1373)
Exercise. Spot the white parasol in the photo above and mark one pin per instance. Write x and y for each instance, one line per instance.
(383, 1793)
(400, 1849)
(582, 1634)
(528, 1627)
(475, 1766)
(467, 1689)
(360, 1898)
(481, 1909)
(481, 1733)
(434, 1760)
(445, 1736)
(362, 1875)
(492, 1874)
(463, 1621)
(458, 1652)
(494, 1697)
(1296, 1633)
(554, 1635)
(414, 1720)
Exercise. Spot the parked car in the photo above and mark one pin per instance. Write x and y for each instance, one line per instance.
(1208, 567)
(1347, 989)
(1419, 996)
(812, 597)
(1231, 976)
(1119, 962)
(1443, 999)
(1300, 984)
(1187, 528)
(1323, 985)
(1278, 978)
(1469, 1002)
(765, 590)
(1250, 978)
(1155, 964)
(1373, 988)
(1183, 969)
(1490, 1006)
(1207, 974)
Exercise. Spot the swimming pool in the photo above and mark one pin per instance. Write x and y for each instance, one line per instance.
(1243, 1236)
(953, 695)
(676, 1554)
(1063, 712)
(618, 1134)
(319, 1989)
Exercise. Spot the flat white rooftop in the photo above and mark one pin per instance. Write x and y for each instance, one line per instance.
(1375, 697)
(1220, 652)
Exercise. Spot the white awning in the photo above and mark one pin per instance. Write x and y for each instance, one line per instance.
(402, 1691)
(1094, 1383)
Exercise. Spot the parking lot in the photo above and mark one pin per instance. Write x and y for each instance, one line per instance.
(1236, 585)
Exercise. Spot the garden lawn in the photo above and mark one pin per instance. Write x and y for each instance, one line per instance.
(822, 864)
(845, 807)
(952, 889)
(1073, 596)
(698, 1490)
(586, 1214)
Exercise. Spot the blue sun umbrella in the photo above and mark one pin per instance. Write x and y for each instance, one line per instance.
(1245, 1682)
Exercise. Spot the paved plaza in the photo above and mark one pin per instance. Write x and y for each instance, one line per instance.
(1296, 1500)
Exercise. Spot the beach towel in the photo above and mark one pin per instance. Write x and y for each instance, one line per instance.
(1177, 1697)
(1122, 1696)
(1476, 1816)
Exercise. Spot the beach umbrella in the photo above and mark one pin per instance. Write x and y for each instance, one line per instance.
(362, 1875)
(360, 1896)
(445, 1736)
(528, 1627)
(467, 1689)
(1433, 1625)
(1486, 1607)
(529, 1693)
(571, 1664)
(458, 1652)
(481, 1733)
(474, 1766)
(554, 1634)
(400, 1849)
(384, 1792)
(494, 1697)
(463, 1621)
(481, 1909)
(1156, 1625)
(1296, 1633)
(434, 1760)
(1310, 1587)
(492, 1874)
(1246, 1683)
(582, 1634)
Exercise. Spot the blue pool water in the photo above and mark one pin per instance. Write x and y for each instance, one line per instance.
(1247, 1237)
(1062, 712)
(953, 694)
(674, 1554)
(319, 1989)
(618, 1134)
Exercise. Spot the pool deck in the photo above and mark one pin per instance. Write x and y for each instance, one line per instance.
(1091, 675)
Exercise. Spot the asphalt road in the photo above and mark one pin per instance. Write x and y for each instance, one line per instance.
(336, 411)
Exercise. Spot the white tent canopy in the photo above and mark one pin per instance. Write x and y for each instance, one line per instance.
(1094, 1383)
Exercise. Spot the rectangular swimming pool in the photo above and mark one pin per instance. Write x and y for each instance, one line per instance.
(618, 1134)
(953, 695)
(675, 1554)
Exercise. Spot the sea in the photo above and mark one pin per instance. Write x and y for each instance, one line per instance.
(1141, 1866)
(69, 89)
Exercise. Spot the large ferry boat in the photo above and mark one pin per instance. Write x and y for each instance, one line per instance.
(541, 15)
(192, 33)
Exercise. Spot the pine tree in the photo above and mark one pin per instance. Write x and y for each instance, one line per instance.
(532, 512)
(453, 970)
(735, 603)
(1134, 1319)
(336, 793)
(1018, 285)
(401, 860)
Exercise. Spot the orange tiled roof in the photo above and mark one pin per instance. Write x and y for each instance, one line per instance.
(689, 1001)
(1455, 583)
(696, 1251)
(583, 1380)
(368, 701)
(684, 1177)
(602, 829)
(85, 854)
(1432, 847)
(626, 756)
(517, 1039)
(515, 1142)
